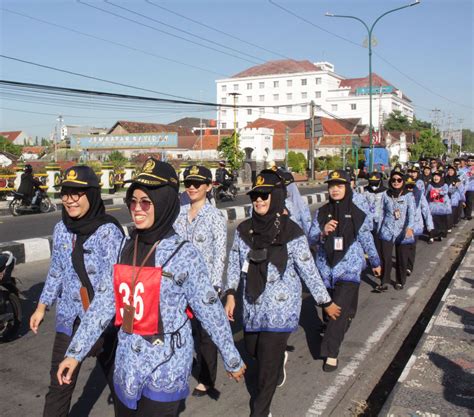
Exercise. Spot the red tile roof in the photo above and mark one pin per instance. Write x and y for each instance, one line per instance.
(33, 149)
(353, 83)
(11, 136)
(283, 66)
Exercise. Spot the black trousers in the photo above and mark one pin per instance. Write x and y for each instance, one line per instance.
(378, 243)
(457, 211)
(148, 408)
(412, 254)
(58, 398)
(346, 296)
(469, 202)
(440, 223)
(206, 357)
(401, 254)
(268, 348)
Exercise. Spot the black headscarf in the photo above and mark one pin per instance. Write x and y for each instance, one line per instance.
(166, 208)
(441, 181)
(83, 228)
(451, 179)
(396, 192)
(350, 219)
(271, 231)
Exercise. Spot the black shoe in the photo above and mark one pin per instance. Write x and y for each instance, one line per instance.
(199, 393)
(430, 241)
(398, 286)
(282, 376)
(329, 368)
(381, 288)
(408, 272)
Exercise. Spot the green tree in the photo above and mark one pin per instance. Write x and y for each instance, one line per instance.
(467, 140)
(7, 146)
(229, 150)
(397, 121)
(419, 125)
(117, 159)
(428, 144)
(297, 162)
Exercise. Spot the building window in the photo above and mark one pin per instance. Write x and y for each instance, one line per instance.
(353, 106)
(249, 112)
(261, 111)
(304, 81)
(276, 110)
(276, 84)
(224, 125)
(224, 113)
(249, 99)
(236, 87)
(261, 84)
(276, 97)
(289, 96)
(318, 80)
(304, 108)
(317, 94)
(289, 83)
(224, 88)
(224, 100)
(318, 107)
(261, 98)
(289, 109)
(304, 95)
(249, 86)
(334, 107)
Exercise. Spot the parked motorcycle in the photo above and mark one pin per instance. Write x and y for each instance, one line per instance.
(10, 306)
(18, 206)
(220, 194)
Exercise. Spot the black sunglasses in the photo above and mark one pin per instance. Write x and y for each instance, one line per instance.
(396, 180)
(256, 196)
(73, 195)
(145, 205)
(193, 183)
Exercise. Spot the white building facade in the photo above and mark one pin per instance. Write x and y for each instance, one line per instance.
(283, 90)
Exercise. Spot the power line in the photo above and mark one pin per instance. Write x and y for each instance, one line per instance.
(216, 30)
(165, 32)
(112, 42)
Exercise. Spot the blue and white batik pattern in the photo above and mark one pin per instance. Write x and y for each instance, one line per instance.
(437, 207)
(392, 229)
(63, 285)
(208, 232)
(278, 308)
(374, 201)
(422, 213)
(298, 208)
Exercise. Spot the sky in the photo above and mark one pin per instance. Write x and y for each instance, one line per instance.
(425, 50)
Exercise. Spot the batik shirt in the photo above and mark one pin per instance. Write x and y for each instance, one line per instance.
(438, 199)
(394, 229)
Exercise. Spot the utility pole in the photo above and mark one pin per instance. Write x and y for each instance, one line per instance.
(200, 124)
(460, 128)
(287, 137)
(435, 114)
(235, 95)
(311, 148)
(59, 131)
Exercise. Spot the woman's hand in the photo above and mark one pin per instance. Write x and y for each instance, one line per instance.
(333, 311)
(330, 227)
(68, 365)
(237, 376)
(37, 317)
(377, 271)
(230, 307)
(409, 233)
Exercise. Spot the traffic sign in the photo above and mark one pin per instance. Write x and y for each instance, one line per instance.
(318, 128)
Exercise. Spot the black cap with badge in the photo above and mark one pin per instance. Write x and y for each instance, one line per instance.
(266, 181)
(156, 173)
(339, 176)
(198, 173)
(80, 176)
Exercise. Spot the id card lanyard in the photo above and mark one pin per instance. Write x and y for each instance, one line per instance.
(396, 210)
(129, 309)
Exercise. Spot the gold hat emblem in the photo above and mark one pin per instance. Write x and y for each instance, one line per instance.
(260, 181)
(335, 175)
(194, 170)
(71, 175)
(373, 178)
(149, 165)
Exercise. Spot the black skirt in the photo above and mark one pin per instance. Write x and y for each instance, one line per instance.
(440, 223)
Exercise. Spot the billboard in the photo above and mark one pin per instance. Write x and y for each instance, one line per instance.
(129, 141)
(387, 89)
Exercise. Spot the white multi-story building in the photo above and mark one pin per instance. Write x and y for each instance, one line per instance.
(284, 89)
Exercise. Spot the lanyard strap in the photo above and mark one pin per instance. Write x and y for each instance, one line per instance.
(135, 276)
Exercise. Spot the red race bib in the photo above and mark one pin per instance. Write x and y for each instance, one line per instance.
(435, 196)
(146, 297)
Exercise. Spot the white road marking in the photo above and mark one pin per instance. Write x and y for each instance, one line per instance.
(407, 368)
(430, 324)
(412, 290)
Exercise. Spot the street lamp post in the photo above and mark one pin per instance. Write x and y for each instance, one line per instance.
(235, 95)
(369, 31)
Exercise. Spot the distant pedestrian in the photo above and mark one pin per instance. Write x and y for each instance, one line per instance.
(440, 204)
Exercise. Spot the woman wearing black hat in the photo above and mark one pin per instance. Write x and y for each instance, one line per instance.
(456, 194)
(440, 204)
(270, 254)
(156, 276)
(341, 232)
(204, 226)
(85, 244)
(397, 229)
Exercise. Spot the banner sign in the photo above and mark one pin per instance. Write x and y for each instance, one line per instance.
(361, 91)
(136, 140)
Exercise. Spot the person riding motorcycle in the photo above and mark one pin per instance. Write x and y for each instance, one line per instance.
(29, 187)
(223, 176)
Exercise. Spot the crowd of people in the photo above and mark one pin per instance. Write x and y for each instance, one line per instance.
(145, 304)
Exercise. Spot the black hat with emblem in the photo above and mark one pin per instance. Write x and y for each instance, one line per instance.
(80, 176)
(375, 177)
(266, 181)
(198, 173)
(156, 173)
(339, 176)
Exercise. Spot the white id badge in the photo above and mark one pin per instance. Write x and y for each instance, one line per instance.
(245, 267)
(338, 243)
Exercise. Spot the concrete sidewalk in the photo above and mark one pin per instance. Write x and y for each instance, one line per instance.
(438, 380)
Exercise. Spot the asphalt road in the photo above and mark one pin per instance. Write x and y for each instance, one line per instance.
(39, 225)
(381, 325)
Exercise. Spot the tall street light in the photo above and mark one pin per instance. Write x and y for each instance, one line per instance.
(369, 31)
